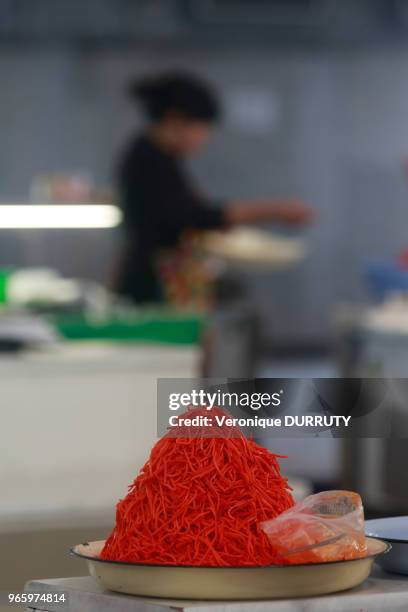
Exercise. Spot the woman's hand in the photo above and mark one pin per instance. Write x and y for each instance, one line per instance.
(290, 212)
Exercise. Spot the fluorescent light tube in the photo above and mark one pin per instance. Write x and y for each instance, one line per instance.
(43, 216)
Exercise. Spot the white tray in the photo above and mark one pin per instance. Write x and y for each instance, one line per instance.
(228, 583)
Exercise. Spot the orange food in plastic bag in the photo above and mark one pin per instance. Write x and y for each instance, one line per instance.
(328, 526)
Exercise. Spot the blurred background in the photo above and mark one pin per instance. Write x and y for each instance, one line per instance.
(315, 106)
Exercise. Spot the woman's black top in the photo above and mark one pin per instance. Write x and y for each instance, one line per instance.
(158, 204)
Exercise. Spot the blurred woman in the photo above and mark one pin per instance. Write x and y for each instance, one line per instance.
(160, 203)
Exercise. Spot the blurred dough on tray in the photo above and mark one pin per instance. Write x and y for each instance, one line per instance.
(247, 245)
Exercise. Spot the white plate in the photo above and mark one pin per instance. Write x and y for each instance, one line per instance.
(254, 247)
(395, 531)
(228, 583)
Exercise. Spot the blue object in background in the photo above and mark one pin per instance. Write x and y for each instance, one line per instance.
(384, 277)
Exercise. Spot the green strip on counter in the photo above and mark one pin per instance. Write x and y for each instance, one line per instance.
(177, 329)
(4, 279)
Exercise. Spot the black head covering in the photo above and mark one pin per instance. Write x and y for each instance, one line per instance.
(178, 92)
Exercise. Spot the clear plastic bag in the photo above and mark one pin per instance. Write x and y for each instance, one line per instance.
(328, 526)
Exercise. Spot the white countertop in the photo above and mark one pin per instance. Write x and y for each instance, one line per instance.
(78, 422)
(379, 593)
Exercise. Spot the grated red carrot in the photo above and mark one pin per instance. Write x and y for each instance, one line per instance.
(199, 501)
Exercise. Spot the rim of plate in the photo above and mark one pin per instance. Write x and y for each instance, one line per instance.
(386, 520)
(386, 544)
(385, 539)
